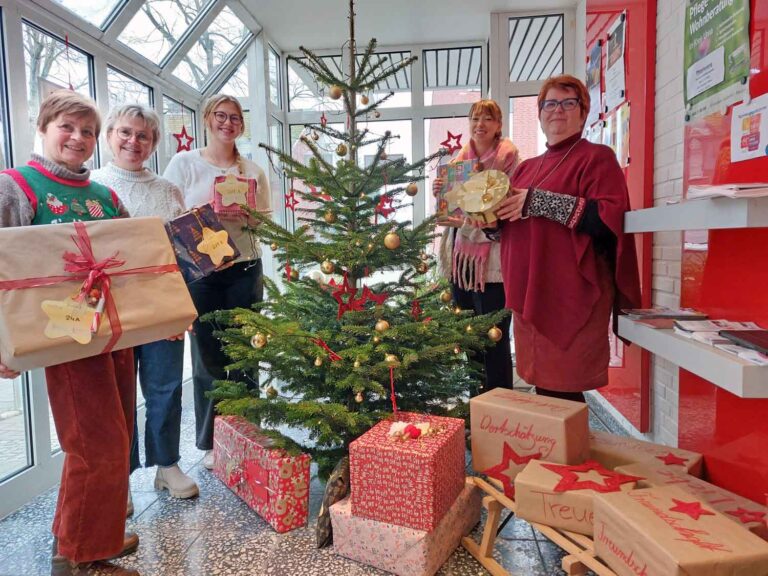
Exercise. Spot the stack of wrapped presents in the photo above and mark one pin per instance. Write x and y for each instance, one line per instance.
(274, 483)
(644, 504)
(409, 504)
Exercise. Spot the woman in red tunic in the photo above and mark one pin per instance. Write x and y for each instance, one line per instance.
(566, 262)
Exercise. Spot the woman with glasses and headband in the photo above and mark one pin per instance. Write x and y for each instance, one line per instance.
(239, 285)
(133, 133)
(567, 263)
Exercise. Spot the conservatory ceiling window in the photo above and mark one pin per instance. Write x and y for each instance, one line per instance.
(97, 12)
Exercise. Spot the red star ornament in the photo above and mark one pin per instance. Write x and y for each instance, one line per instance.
(692, 509)
(184, 140)
(287, 272)
(318, 193)
(671, 460)
(369, 296)
(416, 309)
(351, 303)
(452, 138)
(323, 120)
(290, 200)
(746, 516)
(612, 481)
(384, 207)
(500, 471)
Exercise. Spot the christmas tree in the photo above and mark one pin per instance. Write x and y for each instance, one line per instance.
(341, 355)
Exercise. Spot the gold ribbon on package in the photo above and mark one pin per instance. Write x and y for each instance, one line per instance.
(478, 196)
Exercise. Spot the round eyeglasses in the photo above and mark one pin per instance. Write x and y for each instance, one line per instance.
(221, 118)
(567, 104)
(126, 134)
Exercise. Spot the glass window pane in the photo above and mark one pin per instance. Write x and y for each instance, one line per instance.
(304, 93)
(175, 117)
(399, 83)
(535, 47)
(274, 78)
(123, 89)
(55, 446)
(524, 128)
(212, 49)
(276, 178)
(238, 86)
(96, 12)
(452, 75)
(14, 428)
(159, 24)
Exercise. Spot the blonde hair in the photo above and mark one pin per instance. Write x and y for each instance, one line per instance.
(149, 116)
(210, 107)
(61, 102)
(489, 107)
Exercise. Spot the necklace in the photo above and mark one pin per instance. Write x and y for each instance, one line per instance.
(535, 184)
(479, 167)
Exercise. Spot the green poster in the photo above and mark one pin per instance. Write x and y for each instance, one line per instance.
(716, 54)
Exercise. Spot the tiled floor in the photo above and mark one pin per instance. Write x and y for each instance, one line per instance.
(217, 534)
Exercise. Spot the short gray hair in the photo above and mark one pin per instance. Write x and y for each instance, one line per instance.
(150, 117)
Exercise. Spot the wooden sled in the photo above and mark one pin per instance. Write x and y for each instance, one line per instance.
(581, 549)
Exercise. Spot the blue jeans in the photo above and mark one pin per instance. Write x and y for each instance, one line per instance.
(238, 286)
(160, 367)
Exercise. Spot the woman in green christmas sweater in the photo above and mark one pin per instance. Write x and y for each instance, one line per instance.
(92, 400)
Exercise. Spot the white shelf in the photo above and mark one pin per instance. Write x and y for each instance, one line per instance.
(701, 214)
(727, 371)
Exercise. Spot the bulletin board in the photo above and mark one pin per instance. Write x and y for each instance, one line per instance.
(725, 274)
(620, 72)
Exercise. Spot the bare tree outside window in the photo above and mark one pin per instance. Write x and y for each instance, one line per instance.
(94, 11)
(123, 89)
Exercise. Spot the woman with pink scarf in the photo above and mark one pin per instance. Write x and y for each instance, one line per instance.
(471, 259)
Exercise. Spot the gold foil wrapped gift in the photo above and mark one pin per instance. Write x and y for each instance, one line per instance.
(479, 196)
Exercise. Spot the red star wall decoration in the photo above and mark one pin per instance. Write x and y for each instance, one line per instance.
(671, 460)
(184, 140)
(746, 516)
(501, 471)
(452, 143)
(692, 509)
(612, 481)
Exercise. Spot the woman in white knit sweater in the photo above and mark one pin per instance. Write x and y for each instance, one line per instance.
(133, 132)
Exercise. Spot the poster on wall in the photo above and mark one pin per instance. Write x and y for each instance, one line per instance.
(594, 67)
(749, 130)
(609, 132)
(615, 79)
(594, 133)
(716, 54)
(622, 135)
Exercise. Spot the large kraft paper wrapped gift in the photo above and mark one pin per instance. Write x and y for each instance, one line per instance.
(665, 531)
(612, 450)
(743, 511)
(510, 428)
(560, 495)
(151, 301)
(400, 550)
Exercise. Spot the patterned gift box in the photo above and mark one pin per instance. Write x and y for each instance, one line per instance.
(665, 531)
(186, 233)
(410, 483)
(613, 451)
(231, 192)
(400, 550)
(743, 511)
(510, 428)
(561, 495)
(270, 481)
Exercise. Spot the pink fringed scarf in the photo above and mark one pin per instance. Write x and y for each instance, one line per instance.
(470, 261)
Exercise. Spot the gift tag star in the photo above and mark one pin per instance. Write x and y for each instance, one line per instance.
(452, 147)
(215, 245)
(747, 516)
(671, 460)
(611, 481)
(68, 318)
(507, 469)
(692, 509)
(232, 190)
(184, 140)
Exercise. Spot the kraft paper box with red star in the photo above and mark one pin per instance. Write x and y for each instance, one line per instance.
(560, 495)
(666, 531)
(510, 428)
(612, 450)
(743, 511)
(272, 482)
(52, 273)
(400, 550)
(409, 482)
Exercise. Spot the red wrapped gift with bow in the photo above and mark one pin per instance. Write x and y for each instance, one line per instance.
(271, 481)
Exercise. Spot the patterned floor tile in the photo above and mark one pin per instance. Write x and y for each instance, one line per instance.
(25, 549)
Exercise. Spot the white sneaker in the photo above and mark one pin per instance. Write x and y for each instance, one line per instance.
(209, 460)
(178, 484)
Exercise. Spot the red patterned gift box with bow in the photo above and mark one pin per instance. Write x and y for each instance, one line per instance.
(272, 482)
(408, 481)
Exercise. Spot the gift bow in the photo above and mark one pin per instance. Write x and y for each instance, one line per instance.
(481, 192)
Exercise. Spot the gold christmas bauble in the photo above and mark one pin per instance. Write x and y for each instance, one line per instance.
(273, 246)
(364, 100)
(341, 149)
(383, 155)
(370, 246)
(315, 135)
(424, 256)
(359, 397)
(358, 243)
(271, 392)
(392, 360)
(392, 241)
(412, 189)
(457, 310)
(445, 296)
(495, 334)
(335, 92)
(357, 364)
(258, 340)
(376, 340)
(376, 114)
(318, 361)
(329, 217)
(382, 326)
(294, 274)
(423, 267)
(468, 329)
(327, 267)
